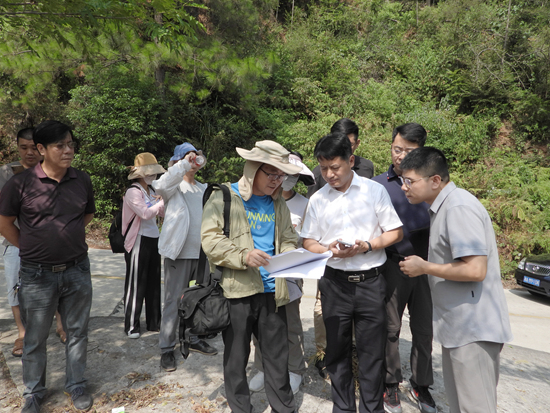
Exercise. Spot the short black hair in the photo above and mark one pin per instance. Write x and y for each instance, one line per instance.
(25, 133)
(426, 161)
(346, 126)
(333, 145)
(51, 131)
(412, 132)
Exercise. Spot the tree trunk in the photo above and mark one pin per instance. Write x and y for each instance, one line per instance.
(506, 35)
(160, 72)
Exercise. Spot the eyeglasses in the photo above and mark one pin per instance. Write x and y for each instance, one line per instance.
(408, 181)
(274, 177)
(61, 146)
(398, 150)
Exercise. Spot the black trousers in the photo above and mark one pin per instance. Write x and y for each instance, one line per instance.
(361, 305)
(415, 294)
(142, 282)
(257, 315)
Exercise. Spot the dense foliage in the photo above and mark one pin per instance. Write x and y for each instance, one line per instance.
(225, 73)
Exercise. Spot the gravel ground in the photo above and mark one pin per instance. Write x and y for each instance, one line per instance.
(124, 372)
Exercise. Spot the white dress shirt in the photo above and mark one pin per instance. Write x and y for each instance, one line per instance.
(364, 211)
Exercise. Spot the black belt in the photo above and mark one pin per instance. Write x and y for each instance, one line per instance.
(54, 268)
(356, 276)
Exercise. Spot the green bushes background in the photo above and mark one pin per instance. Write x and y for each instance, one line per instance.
(474, 73)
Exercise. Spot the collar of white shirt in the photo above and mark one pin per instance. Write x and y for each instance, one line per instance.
(355, 181)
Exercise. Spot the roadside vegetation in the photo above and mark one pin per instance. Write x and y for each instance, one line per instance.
(134, 76)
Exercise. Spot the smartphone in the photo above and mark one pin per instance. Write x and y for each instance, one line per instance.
(345, 243)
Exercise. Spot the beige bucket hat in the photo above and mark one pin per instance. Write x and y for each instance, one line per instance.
(271, 153)
(145, 164)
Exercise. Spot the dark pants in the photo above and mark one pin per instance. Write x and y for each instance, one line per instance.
(361, 305)
(42, 292)
(415, 293)
(142, 282)
(257, 315)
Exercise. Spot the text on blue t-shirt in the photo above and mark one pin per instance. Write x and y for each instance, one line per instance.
(260, 211)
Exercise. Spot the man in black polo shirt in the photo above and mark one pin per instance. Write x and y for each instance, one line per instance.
(404, 291)
(53, 203)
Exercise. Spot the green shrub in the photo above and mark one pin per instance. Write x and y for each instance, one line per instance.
(114, 121)
(463, 138)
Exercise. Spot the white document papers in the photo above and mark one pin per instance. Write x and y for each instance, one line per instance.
(298, 263)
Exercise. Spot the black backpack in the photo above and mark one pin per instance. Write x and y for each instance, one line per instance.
(116, 237)
(203, 309)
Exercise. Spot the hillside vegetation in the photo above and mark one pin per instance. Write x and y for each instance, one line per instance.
(139, 76)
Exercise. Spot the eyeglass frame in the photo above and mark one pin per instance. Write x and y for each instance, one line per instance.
(60, 146)
(398, 150)
(278, 177)
(412, 181)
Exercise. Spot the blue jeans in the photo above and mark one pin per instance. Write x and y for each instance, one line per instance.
(41, 293)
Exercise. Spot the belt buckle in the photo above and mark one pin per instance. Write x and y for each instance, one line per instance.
(59, 268)
(354, 278)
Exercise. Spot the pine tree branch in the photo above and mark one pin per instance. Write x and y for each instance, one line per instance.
(61, 14)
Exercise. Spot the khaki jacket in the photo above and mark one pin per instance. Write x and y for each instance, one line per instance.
(239, 280)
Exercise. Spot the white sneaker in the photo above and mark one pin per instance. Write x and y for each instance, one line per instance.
(133, 335)
(257, 382)
(295, 381)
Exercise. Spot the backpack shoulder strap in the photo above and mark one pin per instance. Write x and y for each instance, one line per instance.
(132, 220)
(226, 201)
(217, 276)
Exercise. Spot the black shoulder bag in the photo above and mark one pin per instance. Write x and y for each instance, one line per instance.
(203, 309)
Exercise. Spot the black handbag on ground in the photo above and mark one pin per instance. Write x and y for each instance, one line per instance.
(202, 308)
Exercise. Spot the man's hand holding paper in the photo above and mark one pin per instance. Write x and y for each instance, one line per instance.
(298, 263)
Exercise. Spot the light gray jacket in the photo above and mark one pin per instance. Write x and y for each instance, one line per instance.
(176, 212)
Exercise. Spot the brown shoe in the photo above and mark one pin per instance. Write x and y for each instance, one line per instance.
(17, 348)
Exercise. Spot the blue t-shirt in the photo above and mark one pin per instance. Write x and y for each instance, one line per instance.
(260, 211)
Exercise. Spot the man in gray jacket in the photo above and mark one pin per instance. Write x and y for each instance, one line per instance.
(180, 243)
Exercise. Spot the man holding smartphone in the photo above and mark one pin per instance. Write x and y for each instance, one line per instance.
(470, 315)
(359, 212)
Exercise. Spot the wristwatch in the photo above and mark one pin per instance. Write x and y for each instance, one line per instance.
(370, 247)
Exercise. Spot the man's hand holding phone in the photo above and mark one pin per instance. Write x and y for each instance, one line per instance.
(343, 249)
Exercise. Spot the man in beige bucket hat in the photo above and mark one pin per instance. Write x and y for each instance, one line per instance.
(260, 227)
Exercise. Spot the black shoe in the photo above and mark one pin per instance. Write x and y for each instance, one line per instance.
(81, 399)
(321, 366)
(32, 404)
(421, 395)
(168, 361)
(204, 348)
(391, 399)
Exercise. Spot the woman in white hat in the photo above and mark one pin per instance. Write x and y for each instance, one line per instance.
(140, 209)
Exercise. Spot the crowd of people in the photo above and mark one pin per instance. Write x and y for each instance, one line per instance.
(405, 238)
